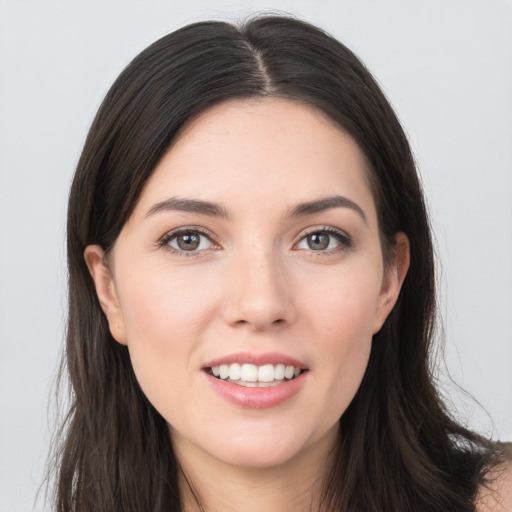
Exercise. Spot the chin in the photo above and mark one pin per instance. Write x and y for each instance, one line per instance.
(259, 455)
(267, 446)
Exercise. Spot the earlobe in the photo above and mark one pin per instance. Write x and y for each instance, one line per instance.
(393, 279)
(104, 283)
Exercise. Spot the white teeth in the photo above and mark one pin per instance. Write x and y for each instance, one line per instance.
(279, 371)
(250, 375)
(288, 372)
(266, 373)
(257, 384)
(235, 371)
(224, 371)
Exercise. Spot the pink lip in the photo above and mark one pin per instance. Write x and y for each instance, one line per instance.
(256, 398)
(256, 359)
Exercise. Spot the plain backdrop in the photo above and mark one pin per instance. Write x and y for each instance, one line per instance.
(446, 66)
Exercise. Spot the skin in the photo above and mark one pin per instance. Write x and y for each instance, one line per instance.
(255, 285)
(497, 495)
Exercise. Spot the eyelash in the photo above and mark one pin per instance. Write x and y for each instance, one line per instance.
(165, 241)
(345, 242)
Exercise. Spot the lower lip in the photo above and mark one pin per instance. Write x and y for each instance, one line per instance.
(257, 398)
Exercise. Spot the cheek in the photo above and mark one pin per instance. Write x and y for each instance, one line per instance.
(158, 305)
(164, 315)
(345, 328)
(344, 302)
(342, 314)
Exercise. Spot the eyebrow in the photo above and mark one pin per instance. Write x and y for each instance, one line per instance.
(190, 206)
(326, 203)
(216, 210)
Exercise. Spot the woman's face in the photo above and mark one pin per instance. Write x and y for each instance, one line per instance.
(254, 252)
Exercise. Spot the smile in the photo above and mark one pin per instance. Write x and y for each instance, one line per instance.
(252, 376)
(256, 381)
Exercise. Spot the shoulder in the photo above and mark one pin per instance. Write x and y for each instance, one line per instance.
(496, 496)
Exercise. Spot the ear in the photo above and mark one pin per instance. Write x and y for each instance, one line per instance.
(394, 276)
(106, 291)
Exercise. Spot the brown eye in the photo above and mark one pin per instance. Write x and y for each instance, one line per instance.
(188, 241)
(324, 240)
(318, 241)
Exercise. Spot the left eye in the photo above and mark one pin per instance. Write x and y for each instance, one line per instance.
(189, 241)
(320, 241)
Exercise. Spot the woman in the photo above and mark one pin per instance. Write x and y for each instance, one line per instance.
(252, 292)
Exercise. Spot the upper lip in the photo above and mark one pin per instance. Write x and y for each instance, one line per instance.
(256, 359)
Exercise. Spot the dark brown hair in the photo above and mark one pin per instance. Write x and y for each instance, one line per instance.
(398, 448)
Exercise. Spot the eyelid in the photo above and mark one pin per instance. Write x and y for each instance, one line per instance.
(344, 239)
(163, 241)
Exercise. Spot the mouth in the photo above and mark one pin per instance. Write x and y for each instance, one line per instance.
(253, 376)
(256, 380)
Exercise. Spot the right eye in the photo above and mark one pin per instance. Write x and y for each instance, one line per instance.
(187, 241)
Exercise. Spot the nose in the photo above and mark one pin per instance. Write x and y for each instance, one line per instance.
(259, 293)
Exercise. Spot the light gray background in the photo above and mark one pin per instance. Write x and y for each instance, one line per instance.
(446, 66)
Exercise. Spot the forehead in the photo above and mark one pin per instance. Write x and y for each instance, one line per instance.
(261, 150)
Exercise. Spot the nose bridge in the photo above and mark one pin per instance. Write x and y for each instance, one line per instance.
(258, 296)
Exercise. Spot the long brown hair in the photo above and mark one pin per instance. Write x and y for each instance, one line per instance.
(398, 448)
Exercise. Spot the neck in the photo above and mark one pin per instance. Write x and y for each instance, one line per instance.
(208, 484)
